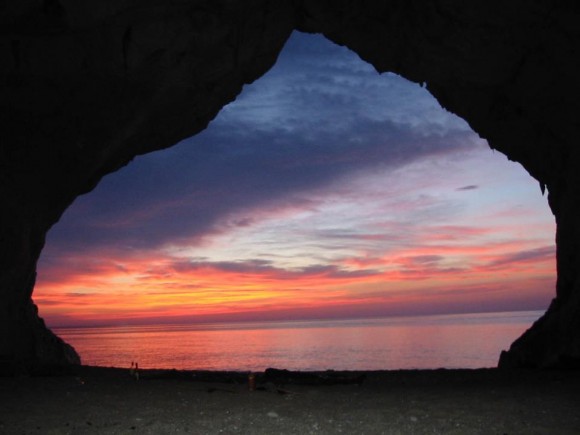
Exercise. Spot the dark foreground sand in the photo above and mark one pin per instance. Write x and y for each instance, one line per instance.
(110, 401)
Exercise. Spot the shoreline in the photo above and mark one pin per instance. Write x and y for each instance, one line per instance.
(95, 400)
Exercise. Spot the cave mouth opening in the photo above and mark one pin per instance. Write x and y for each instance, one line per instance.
(325, 191)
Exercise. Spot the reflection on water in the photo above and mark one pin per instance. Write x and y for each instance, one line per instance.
(449, 341)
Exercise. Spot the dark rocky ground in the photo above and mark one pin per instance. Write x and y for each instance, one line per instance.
(109, 401)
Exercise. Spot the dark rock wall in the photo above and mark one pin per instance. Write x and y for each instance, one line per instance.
(88, 85)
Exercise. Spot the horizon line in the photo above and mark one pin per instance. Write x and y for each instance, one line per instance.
(192, 321)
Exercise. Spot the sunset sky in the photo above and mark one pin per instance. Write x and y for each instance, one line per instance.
(325, 190)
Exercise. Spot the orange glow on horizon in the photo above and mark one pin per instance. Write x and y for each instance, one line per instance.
(165, 289)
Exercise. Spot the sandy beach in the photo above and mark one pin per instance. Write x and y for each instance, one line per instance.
(89, 400)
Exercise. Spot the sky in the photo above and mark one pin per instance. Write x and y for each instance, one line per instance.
(325, 191)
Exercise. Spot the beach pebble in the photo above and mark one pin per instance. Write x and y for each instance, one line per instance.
(273, 414)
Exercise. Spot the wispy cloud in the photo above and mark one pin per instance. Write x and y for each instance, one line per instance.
(470, 187)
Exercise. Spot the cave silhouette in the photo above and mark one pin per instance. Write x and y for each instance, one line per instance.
(88, 87)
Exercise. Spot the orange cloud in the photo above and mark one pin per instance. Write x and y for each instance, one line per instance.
(143, 288)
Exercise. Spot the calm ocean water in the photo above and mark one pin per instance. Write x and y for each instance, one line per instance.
(425, 342)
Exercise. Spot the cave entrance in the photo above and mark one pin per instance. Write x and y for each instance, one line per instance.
(325, 191)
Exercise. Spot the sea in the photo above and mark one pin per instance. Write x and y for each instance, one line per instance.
(418, 342)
